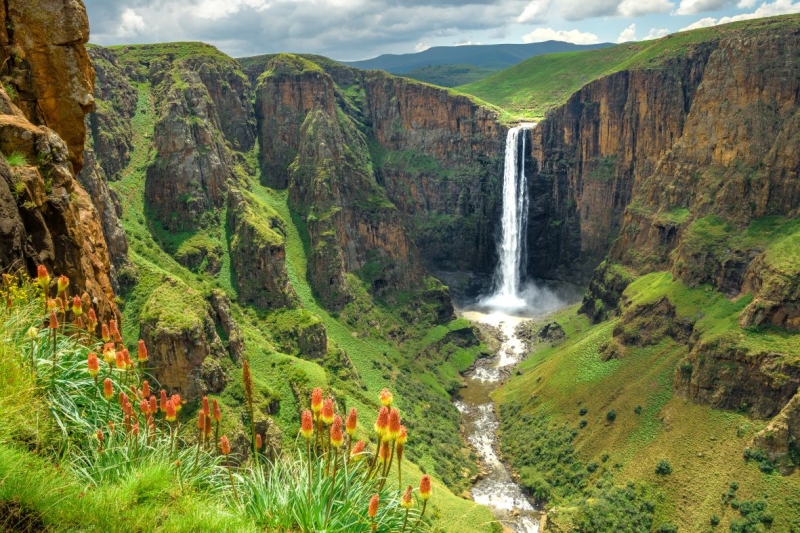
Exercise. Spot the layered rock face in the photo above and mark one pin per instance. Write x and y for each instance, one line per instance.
(46, 217)
(45, 59)
(352, 225)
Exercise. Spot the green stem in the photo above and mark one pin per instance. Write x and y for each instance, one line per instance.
(308, 449)
(230, 476)
(405, 520)
(333, 487)
(419, 519)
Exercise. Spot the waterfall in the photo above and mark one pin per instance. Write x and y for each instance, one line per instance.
(509, 272)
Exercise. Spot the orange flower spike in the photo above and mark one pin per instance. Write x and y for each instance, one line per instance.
(77, 306)
(104, 334)
(141, 351)
(109, 354)
(120, 360)
(207, 426)
(42, 277)
(394, 424)
(337, 439)
(93, 364)
(327, 411)
(259, 442)
(386, 398)
(135, 430)
(145, 389)
(153, 405)
(357, 449)
(163, 401)
(201, 421)
(206, 409)
(92, 322)
(382, 423)
(53, 320)
(316, 400)
(63, 283)
(171, 412)
(51, 304)
(352, 421)
(108, 389)
(373, 506)
(225, 445)
(307, 424)
(176, 401)
(126, 356)
(402, 437)
(216, 411)
(406, 502)
(144, 406)
(100, 436)
(59, 304)
(425, 487)
(112, 327)
(386, 451)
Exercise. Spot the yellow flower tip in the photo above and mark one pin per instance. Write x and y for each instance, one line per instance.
(406, 502)
(63, 283)
(386, 398)
(104, 334)
(42, 277)
(337, 438)
(394, 424)
(109, 353)
(425, 487)
(352, 422)
(141, 351)
(77, 306)
(307, 424)
(108, 389)
(402, 436)
(32, 333)
(327, 411)
(316, 400)
(225, 445)
(177, 402)
(93, 364)
(171, 413)
(382, 423)
(120, 360)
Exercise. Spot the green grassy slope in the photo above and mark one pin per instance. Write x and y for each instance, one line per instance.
(377, 363)
(529, 89)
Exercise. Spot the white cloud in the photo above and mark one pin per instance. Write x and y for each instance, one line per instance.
(421, 47)
(217, 9)
(571, 36)
(638, 8)
(746, 4)
(535, 11)
(130, 24)
(656, 33)
(767, 9)
(691, 7)
(628, 34)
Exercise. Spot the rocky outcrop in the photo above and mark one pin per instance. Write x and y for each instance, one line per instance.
(188, 179)
(780, 440)
(178, 327)
(258, 254)
(46, 217)
(775, 282)
(44, 60)
(221, 305)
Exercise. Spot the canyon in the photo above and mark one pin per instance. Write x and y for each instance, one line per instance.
(320, 220)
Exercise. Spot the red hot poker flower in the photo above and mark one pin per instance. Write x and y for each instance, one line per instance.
(42, 277)
(77, 306)
(385, 451)
(225, 445)
(171, 412)
(357, 449)
(307, 424)
(53, 320)
(406, 501)
(63, 283)
(153, 405)
(108, 389)
(215, 410)
(352, 421)
(386, 398)
(327, 411)
(337, 439)
(425, 487)
(373, 506)
(176, 401)
(145, 389)
(206, 409)
(259, 442)
(93, 364)
(141, 353)
(382, 423)
(163, 401)
(104, 334)
(201, 421)
(316, 400)
(394, 424)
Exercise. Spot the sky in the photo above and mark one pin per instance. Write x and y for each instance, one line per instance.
(361, 29)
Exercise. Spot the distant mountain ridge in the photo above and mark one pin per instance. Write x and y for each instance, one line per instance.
(492, 56)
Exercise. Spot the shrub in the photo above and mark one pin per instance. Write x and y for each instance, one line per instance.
(667, 527)
(663, 468)
(611, 415)
(584, 411)
(592, 467)
(582, 424)
(714, 520)
(17, 159)
(637, 409)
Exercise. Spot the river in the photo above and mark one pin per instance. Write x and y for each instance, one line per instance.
(496, 489)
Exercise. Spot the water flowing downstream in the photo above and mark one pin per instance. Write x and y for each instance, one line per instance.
(504, 309)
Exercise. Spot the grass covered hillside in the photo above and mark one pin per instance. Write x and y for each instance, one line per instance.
(531, 88)
(291, 349)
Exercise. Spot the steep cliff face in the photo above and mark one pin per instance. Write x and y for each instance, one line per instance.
(45, 62)
(47, 217)
(315, 147)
